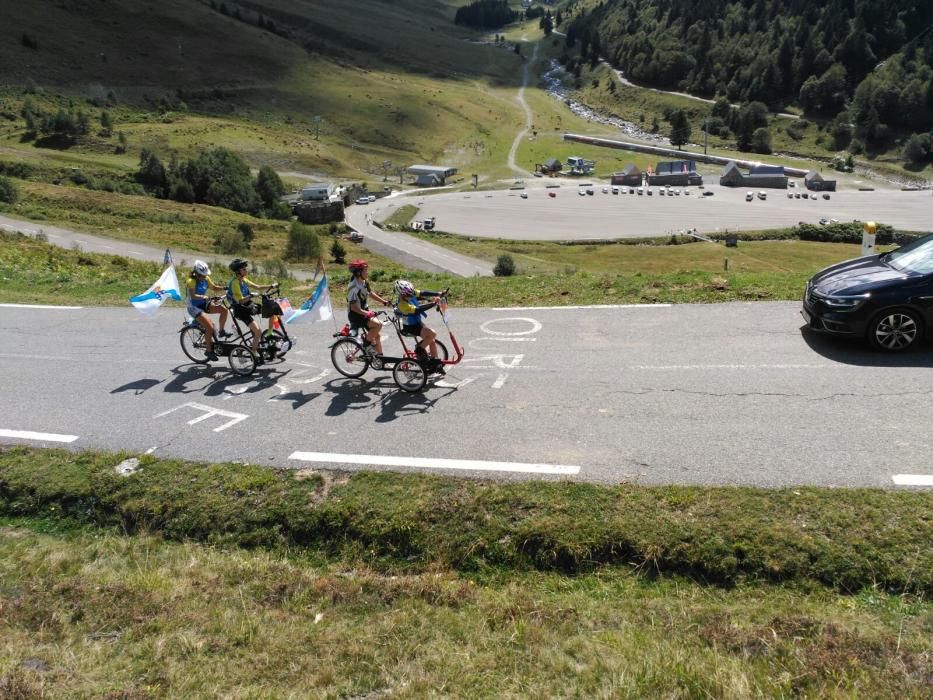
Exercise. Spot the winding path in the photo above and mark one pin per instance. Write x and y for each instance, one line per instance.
(526, 73)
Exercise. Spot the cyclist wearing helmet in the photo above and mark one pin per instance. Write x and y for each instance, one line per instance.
(358, 293)
(412, 311)
(238, 290)
(197, 286)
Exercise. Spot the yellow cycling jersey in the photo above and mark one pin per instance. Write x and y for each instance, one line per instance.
(239, 289)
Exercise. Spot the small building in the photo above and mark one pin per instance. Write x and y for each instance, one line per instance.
(431, 175)
(761, 176)
(551, 165)
(316, 192)
(630, 176)
(581, 166)
(676, 172)
(814, 181)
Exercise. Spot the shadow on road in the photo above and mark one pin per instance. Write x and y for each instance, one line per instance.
(138, 387)
(850, 351)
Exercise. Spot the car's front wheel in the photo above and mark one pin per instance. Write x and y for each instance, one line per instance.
(895, 330)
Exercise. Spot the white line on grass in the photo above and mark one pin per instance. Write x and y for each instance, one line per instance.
(431, 463)
(40, 306)
(42, 437)
(913, 479)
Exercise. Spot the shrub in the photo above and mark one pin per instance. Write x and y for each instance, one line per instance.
(505, 266)
(247, 231)
(338, 252)
(230, 243)
(8, 191)
(303, 243)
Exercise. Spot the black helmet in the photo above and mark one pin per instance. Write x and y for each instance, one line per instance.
(237, 264)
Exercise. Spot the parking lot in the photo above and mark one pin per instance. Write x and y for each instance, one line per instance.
(603, 215)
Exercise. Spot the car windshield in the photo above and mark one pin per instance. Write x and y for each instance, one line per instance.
(915, 258)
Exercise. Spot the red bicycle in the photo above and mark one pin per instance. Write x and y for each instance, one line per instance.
(352, 355)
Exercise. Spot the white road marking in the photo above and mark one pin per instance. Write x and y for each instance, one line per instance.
(429, 463)
(592, 306)
(40, 306)
(42, 437)
(738, 366)
(913, 479)
(78, 240)
(150, 450)
(500, 380)
(208, 412)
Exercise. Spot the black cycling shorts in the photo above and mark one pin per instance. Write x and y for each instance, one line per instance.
(413, 331)
(244, 313)
(358, 320)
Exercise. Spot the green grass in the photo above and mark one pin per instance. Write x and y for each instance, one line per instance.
(200, 580)
(401, 217)
(92, 613)
(846, 539)
(32, 271)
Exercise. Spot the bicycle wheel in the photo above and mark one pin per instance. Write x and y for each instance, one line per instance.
(442, 353)
(282, 344)
(242, 361)
(193, 344)
(409, 375)
(348, 358)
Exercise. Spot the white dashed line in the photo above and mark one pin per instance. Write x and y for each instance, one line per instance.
(913, 479)
(430, 463)
(39, 306)
(41, 437)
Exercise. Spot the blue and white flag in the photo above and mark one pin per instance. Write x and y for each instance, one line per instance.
(317, 307)
(166, 287)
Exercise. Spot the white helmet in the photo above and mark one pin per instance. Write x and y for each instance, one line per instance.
(404, 288)
(201, 268)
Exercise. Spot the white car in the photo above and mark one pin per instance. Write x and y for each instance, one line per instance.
(362, 200)
(615, 190)
(749, 196)
(661, 191)
(582, 193)
(605, 190)
(524, 195)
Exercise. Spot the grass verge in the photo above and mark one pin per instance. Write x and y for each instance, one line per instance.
(847, 539)
(32, 271)
(92, 613)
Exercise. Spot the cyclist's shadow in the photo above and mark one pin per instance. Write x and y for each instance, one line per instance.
(215, 381)
(398, 404)
(352, 394)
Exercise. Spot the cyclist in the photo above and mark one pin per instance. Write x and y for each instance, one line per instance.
(358, 293)
(412, 311)
(239, 292)
(199, 305)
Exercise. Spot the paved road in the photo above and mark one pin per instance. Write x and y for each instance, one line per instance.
(705, 394)
(503, 214)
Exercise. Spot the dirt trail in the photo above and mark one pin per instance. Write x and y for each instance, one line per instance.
(529, 117)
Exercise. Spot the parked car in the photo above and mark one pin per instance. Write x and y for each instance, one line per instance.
(355, 236)
(826, 195)
(552, 194)
(362, 200)
(796, 195)
(884, 299)
(631, 190)
(762, 194)
(661, 191)
(605, 190)
(805, 195)
(708, 193)
(615, 190)
(524, 195)
(790, 195)
(749, 196)
(581, 192)
(589, 191)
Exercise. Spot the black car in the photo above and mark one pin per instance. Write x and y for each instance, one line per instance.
(886, 299)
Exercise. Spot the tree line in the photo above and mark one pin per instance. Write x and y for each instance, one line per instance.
(867, 65)
(486, 14)
(218, 177)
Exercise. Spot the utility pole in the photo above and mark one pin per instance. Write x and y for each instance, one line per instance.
(386, 164)
(705, 134)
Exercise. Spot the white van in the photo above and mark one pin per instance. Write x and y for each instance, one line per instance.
(762, 194)
(749, 196)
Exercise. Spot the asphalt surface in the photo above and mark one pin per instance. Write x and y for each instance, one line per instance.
(692, 394)
(569, 216)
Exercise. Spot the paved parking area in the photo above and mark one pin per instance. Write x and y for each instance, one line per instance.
(569, 216)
